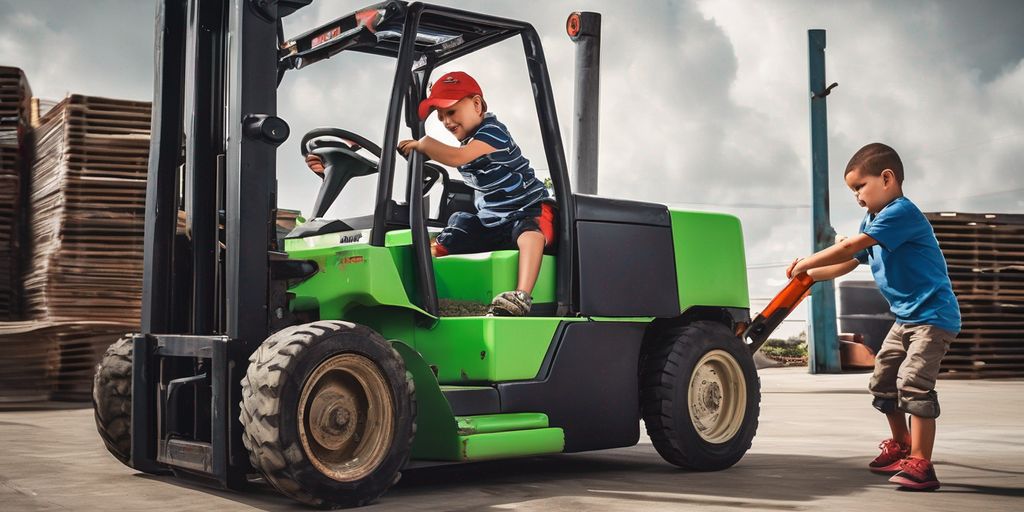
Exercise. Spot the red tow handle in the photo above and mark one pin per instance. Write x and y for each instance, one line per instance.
(777, 310)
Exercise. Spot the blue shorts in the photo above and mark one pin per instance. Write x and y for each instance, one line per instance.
(466, 234)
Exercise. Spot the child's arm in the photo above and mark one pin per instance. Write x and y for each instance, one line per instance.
(448, 155)
(833, 271)
(834, 261)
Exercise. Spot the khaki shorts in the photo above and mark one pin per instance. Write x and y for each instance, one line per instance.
(908, 363)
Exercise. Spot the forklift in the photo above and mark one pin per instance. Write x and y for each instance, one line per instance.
(323, 364)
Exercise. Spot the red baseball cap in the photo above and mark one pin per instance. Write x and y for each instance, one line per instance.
(448, 90)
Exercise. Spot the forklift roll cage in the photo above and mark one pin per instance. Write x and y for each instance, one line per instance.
(442, 35)
(218, 66)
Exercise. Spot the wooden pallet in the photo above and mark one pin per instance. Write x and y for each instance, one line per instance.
(88, 201)
(985, 256)
(15, 122)
(83, 285)
(46, 360)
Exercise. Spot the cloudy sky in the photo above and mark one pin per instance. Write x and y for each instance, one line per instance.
(704, 104)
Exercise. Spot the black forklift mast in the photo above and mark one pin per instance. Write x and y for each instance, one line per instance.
(207, 292)
(204, 310)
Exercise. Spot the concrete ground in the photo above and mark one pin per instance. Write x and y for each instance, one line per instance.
(816, 435)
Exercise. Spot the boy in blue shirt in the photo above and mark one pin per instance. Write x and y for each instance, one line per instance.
(898, 242)
(510, 208)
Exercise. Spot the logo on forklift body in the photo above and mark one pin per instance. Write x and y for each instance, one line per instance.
(350, 260)
(349, 237)
(325, 37)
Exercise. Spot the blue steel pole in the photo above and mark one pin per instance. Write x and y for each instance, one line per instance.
(822, 336)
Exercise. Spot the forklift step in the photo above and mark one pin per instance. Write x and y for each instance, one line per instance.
(191, 455)
(491, 423)
(515, 443)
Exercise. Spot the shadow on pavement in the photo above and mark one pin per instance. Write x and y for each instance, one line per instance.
(951, 488)
(624, 473)
(764, 481)
(259, 496)
(940, 463)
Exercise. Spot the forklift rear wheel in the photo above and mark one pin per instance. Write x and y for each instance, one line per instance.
(112, 399)
(328, 413)
(701, 396)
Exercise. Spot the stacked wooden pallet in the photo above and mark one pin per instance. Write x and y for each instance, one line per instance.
(985, 256)
(51, 360)
(83, 285)
(88, 205)
(15, 116)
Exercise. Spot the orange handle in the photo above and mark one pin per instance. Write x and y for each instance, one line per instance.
(777, 310)
(790, 296)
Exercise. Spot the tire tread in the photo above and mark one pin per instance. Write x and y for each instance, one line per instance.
(659, 388)
(270, 367)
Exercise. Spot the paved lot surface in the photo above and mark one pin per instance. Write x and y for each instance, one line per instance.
(816, 435)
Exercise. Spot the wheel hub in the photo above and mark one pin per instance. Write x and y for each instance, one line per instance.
(712, 396)
(346, 417)
(332, 418)
(717, 397)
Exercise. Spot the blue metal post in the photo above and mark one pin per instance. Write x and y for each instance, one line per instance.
(822, 336)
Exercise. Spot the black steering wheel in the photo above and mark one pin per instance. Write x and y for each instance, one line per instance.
(338, 150)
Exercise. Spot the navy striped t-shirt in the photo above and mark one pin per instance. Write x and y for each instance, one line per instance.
(507, 189)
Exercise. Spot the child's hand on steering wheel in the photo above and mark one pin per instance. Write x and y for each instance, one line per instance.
(315, 164)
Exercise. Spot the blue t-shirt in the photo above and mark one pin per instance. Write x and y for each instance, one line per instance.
(506, 186)
(909, 267)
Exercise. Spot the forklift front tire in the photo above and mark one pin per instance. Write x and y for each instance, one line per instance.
(112, 399)
(700, 396)
(328, 412)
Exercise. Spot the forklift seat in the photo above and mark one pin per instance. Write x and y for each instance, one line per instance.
(479, 277)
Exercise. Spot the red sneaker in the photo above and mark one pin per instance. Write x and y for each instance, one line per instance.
(916, 474)
(893, 453)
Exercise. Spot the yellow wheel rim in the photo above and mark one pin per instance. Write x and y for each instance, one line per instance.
(717, 397)
(346, 417)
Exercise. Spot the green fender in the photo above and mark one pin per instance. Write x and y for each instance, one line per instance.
(437, 431)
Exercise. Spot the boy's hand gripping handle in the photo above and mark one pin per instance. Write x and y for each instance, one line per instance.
(777, 310)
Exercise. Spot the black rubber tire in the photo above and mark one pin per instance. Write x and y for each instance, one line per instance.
(667, 364)
(271, 390)
(112, 399)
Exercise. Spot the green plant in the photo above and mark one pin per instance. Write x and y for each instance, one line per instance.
(794, 346)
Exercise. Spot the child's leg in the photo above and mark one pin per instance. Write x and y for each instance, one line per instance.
(526, 234)
(922, 430)
(916, 384)
(883, 383)
(464, 234)
(531, 251)
(898, 426)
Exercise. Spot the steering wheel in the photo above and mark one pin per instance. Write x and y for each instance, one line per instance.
(338, 148)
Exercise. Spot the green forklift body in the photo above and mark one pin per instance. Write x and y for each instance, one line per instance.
(711, 267)
(374, 286)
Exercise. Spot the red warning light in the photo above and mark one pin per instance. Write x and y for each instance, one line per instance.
(572, 25)
(369, 19)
